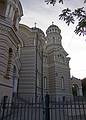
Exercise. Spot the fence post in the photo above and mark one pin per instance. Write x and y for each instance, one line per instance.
(47, 111)
(3, 106)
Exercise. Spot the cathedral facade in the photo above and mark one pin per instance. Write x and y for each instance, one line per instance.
(31, 64)
(10, 43)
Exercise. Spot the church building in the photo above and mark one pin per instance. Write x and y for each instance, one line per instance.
(31, 63)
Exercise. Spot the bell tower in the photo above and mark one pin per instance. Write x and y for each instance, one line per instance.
(58, 64)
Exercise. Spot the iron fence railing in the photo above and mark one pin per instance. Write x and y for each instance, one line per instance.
(46, 108)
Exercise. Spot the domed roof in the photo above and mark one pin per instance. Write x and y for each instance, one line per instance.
(53, 28)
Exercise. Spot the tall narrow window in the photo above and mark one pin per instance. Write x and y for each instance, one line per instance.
(45, 82)
(62, 82)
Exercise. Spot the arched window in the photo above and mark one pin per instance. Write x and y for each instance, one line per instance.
(61, 58)
(62, 82)
(9, 63)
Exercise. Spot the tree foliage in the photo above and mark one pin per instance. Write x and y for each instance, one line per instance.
(53, 1)
(70, 16)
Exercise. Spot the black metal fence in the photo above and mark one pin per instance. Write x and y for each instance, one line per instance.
(50, 108)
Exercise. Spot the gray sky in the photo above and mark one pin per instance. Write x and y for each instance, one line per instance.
(41, 13)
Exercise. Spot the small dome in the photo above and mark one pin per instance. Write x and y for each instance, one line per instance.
(38, 30)
(53, 28)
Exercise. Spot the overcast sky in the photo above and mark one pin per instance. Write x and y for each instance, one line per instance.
(41, 13)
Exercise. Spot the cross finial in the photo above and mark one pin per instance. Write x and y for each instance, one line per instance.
(52, 23)
(35, 24)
